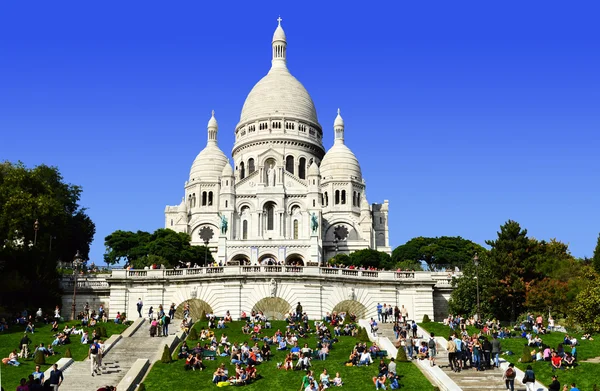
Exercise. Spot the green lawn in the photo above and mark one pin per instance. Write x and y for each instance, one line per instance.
(173, 376)
(586, 375)
(9, 340)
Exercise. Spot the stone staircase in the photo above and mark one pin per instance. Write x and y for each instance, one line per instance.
(118, 360)
(467, 379)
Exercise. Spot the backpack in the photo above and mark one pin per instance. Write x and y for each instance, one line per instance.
(167, 320)
(432, 343)
(94, 349)
(510, 373)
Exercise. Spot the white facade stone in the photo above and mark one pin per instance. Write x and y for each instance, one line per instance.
(281, 177)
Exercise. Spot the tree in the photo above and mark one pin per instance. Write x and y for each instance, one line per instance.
(39, 358)
(29, 257)
(596, 257)
(163, 247)
(166, 356)
(585, 309)
(371, 258)
(437, 253)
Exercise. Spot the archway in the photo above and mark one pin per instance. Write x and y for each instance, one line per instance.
(295, 260)
(239, 259)
(274, 308)
(267, 259)
(351, 307)
(197, 307)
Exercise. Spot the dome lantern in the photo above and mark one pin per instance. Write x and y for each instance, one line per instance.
(338, 127)
(279, 46)
(209, 163)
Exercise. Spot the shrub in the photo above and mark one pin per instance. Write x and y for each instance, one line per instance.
(401, 356)
(40, 358)
(193, 335)
(68, 353)
(362, 335)
(526, 357)
(426, 319)
(166, 356)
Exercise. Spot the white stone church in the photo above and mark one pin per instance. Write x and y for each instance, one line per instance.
(285, 200)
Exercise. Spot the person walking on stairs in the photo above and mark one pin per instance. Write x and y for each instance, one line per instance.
(93, 357)
(509, 377)
(432, 345)
(451, 348)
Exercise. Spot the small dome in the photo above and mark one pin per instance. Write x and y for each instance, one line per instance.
(212, 122)
(313, 169)
(279, 34)
(340, 163)
(339, 121)
(182, 207)
(209, 163)
(227, 170)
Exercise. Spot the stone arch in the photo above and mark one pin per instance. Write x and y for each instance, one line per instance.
(295, 259)
(274, 308)
(239, 259)
(294, 204)
(268, 257)
(197, 306)
(351, 306)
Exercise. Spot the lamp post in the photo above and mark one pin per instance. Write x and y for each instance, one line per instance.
(77, 262)
(476, 262)
(205, 252)
(36, 228)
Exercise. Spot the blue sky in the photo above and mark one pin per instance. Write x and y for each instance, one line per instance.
(462, 114)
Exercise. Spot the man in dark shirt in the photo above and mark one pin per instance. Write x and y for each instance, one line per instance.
(555, 385)
(56, 377)
(25, 341)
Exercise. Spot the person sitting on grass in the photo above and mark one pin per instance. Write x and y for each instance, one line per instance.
(365, 358)
(219, 375)
(265, 352)
(394, 385)
(556, 362)
(569, 361)
(324, 378)
(383, 368)
(337, 380)
(380, 382)
(324, 351)
(251, 372)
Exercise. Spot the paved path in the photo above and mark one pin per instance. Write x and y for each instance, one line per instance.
(468, 379)
(117, 361)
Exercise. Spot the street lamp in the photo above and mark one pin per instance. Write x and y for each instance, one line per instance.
(36, 228)
(77, 263)
(476, 262)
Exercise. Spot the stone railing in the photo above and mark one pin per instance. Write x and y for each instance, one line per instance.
(257, 270)
(99, 282)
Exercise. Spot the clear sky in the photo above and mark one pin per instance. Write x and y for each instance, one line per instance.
(462, 114)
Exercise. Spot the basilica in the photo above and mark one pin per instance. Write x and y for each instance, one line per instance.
(283, 199)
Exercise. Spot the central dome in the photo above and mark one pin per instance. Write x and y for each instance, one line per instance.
(279, 94)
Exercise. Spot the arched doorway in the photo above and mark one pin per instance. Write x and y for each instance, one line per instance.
(238, 260)
(295, 260)
(197, 307)
(351, 307)
(274, 308)
(267, 259)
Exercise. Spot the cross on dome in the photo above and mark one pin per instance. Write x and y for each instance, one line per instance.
(279, 20)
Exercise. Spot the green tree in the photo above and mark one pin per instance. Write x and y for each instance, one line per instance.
(29, 257)
(437, 253)
(585, 309)
(596, 257)
(371, 258)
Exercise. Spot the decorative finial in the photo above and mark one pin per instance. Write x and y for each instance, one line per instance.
(213, 112)
(338, 111)
(279, 20)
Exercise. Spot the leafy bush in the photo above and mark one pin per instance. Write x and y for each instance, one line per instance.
(166, 356)
(362, 335)
(40, 358)
(68, 353)
(526, 357)
(193, 335)
(426, 319)
(401, 356)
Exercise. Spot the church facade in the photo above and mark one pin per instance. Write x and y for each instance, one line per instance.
(285, 200)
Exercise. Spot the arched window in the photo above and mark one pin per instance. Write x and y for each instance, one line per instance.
(242, 171)
(295, 229)
(226, 203)
(190, 200)
(353, 198)
(289, 164)
(337, 197)
(251, 167)
(270, 209)
(343, 197)
(326, 200)
(245, 230)
(210, 198)
(302, 168)
(194, 200)
(358, 198)
(171, 222)
(203, 198)
(314, 203)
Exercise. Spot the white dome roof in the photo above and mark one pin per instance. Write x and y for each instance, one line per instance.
(340, 163)
(279, 94)
(313, 169)
(209, 163)
(227, 170)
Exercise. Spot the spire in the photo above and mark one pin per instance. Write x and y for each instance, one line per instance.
(279, 47)
(338, 127)
(213, 127)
